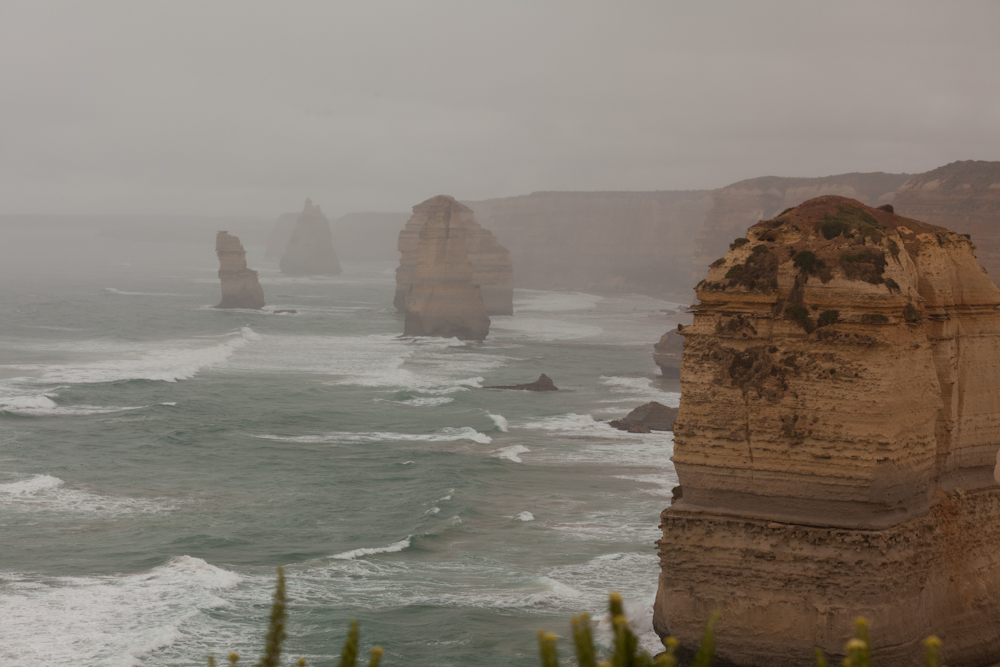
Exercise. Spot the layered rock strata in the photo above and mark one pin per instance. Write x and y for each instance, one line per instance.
(963, 196)
(443, 299)
(836, 442)
(490, 261)
(240, 287)
(310, 249)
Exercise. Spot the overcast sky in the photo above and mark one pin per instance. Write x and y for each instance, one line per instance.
(248, 107)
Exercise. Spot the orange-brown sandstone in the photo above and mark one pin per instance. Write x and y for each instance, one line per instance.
(490, 261)
(240, 287)
(443, 298)
(836, 443)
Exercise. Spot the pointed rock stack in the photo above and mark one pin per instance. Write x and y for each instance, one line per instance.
(490, 261)
(310, 248)
(443, 300)
(836, 443)
(240, 287)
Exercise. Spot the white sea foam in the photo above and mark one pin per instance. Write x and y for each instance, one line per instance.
(48, 493)
(112, 290)
(444, 435)
(511, 453)
(640, 388)
(433, 510)
(500, 421)
(525, 516)
(358, 553)
(107, 620)
(425, 402)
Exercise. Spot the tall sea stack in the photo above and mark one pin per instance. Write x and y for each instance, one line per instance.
(443, 300)
(310, 249)
(490, 261)
(836, 443)
(240, 287)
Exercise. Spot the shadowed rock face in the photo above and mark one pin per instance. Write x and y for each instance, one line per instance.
(240, 288)
(543, 383)
(310, 248)
(490, 261)
(963, 196)
(836, 443)
(667, 354)
(443, 300)
(652, 416)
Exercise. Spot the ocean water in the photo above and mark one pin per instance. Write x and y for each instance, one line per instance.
(159, 458)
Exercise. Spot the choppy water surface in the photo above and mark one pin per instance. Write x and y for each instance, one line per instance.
(158, 459)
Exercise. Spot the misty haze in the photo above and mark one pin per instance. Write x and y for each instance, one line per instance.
(464, 316)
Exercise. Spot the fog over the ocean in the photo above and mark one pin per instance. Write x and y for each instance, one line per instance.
(245, 108)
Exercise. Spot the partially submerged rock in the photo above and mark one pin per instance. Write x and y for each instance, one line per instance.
(240, 287)
(836, 441)
(310, 249)
(543, 383)
(652, 416)
(490, 261)
(443, 299)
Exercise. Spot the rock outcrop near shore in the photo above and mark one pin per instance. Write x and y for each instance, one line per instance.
(667, 353)
(963, 196)
(310, 249)
(652, 416)
(491, 266)
(543, 383)
(443, 298)
(240, 287)
(836, 443)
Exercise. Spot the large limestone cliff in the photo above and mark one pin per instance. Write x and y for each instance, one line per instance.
(599, 242)
(739, 205)
(963, 196)
(490, 261)
(443, 300)
(835, 444)
(240, 287)
(310, 248)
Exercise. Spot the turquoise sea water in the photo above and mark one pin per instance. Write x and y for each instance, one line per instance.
(158, 459)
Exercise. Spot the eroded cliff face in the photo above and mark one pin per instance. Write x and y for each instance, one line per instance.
(240, 287)
(735, 207)
(599, 242)
(310, 249)
(835, 443)
(443, 299)
(963, 196)
(490, 261)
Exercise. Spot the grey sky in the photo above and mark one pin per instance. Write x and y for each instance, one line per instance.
(248, 107)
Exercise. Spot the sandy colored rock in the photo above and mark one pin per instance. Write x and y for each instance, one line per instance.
(443, 299)
(310, 249)
(963, 196)
(836, 443)
(543, 383)
(651, 416)
(667, 353)
(490, 261)
(240, 287)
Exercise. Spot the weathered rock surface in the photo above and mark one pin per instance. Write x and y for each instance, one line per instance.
(652, 416)
(490, 261)
(310, 249)
(443, 300)
(836, 442)
(240, 287)
(739, 205)
(667, 353)
(599, 242)
(963, 196)
(543, 383)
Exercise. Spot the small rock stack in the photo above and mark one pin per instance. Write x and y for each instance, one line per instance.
(240, 287)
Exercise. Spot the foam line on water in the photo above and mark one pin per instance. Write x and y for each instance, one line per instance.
(640, 388)
(50, 494)
(395, 547)
(511, 453)
(448, 434)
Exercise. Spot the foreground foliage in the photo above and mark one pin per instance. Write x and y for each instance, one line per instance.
(625, 650)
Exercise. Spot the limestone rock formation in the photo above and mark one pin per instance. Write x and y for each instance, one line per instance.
(963, 196)
(543, 383)
(739, 205)
(443, 299)
(652, 416)
(836, 442)
(667, 354)
(599, 242)
(490, 261)
(240, 287)
(310, 248)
